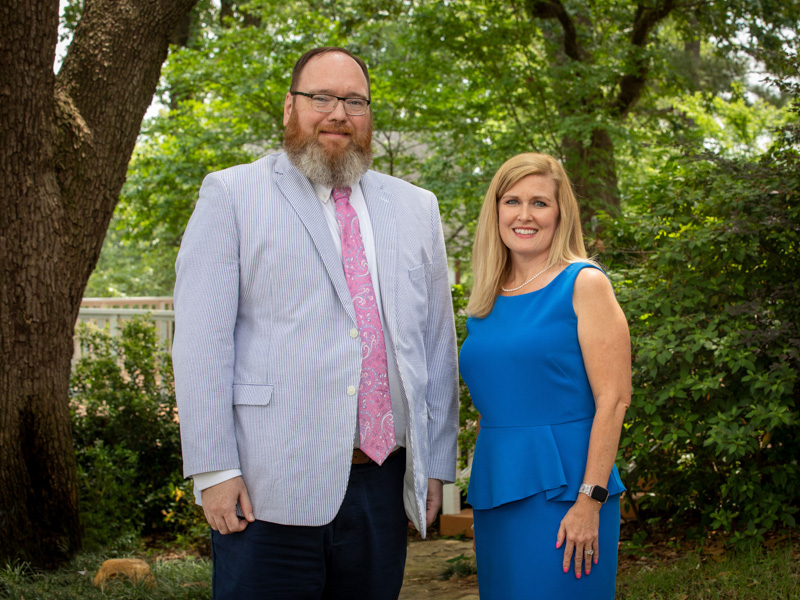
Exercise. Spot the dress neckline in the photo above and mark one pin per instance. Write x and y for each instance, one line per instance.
(551, 282)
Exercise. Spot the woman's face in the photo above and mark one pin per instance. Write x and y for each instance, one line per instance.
(527, 216)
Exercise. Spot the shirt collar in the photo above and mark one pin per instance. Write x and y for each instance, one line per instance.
(323, 192)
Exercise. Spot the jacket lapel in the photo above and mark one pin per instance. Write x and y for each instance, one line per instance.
(298, 192)
(381, 212)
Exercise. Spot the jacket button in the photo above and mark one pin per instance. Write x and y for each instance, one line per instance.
(354, 333)
(351, 390)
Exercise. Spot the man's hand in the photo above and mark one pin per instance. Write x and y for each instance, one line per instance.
(434, 501)
(219, 506)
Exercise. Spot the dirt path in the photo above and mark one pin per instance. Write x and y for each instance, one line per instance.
(426, 561)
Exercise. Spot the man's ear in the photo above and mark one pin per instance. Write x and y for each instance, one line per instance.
(287, 108)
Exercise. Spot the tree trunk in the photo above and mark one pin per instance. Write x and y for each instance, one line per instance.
(591, 164)
(66, 143)
(592, 168)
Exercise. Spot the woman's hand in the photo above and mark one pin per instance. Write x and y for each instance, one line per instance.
(580, 529)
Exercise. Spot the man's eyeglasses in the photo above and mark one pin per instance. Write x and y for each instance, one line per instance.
(326, 103)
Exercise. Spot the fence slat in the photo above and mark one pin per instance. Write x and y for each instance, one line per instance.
(112, 312)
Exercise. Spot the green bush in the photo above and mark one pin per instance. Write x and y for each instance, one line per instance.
(711, 293)
(110, 507)
(127, 441)
(468, 414)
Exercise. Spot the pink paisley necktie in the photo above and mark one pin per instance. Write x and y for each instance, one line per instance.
(375, 420)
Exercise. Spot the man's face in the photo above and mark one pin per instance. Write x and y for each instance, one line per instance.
(337, 143)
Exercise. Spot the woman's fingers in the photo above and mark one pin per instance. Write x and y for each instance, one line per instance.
(585, 555)
(578, 560)
(588, 555)
(568, 550)
(562, 533)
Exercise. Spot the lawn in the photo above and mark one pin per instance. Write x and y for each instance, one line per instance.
(755, 574)
(654, 572)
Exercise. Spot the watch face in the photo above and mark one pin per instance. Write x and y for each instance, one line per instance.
(600, 494)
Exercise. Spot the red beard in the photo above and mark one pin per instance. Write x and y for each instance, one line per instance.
(331, 163)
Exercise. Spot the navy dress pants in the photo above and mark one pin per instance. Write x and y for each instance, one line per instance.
(360, 555)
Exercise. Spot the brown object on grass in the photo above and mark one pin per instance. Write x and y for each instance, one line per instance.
(134, 569)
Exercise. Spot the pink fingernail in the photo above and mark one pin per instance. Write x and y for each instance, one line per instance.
(595, 560)
(578, 575)
(587, 571)
(566, 569)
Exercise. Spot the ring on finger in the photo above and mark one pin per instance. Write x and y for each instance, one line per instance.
(589, 552)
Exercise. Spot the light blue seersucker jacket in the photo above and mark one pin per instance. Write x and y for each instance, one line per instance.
(263, 355)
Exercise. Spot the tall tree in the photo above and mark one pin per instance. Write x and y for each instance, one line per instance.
(65, 144)
(577, 78)
(458, 86)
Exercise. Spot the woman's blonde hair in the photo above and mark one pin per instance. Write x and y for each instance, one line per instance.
(491, 263)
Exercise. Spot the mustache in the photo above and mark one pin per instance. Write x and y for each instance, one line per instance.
(344, 129)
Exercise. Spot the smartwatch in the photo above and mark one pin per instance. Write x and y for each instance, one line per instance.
(595, 492)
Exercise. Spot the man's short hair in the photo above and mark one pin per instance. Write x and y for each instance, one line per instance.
(303, 61)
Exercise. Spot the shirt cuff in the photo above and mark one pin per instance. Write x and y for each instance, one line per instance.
(203, 481)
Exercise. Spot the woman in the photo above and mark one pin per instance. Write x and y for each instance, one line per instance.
(547, 361)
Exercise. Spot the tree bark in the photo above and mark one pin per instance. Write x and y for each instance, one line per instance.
(66, 143)
(593, 171)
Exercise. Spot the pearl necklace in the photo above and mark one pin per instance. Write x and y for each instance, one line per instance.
(519, 287)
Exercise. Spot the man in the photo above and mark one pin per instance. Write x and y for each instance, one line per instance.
(315, 355)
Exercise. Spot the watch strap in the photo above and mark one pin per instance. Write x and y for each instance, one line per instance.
(595, 492)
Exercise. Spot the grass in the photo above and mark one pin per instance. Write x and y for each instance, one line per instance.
(755, 574)
(664, 573)
(187, 578)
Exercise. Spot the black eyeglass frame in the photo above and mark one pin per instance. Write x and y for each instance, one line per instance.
(338, 99)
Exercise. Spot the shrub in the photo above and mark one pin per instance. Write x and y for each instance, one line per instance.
(468, 414)
(125, 429)
(711, 297)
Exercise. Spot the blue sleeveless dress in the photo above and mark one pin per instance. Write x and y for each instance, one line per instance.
(524, 369)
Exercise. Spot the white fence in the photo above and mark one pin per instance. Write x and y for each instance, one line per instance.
(112, 312)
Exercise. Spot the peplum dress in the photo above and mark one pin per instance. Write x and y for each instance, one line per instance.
(524, 369)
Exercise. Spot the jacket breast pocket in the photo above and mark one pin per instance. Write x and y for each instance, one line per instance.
(251, 394)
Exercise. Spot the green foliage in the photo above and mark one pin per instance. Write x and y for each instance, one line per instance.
(15, 574)
(185, 579)
(459, 566)
(132, 266)
(711, 297)
(705, 258)
(109, 497)
(751, 574)
(127, 442)
(452, 101)
(507, 86)
(468, 414)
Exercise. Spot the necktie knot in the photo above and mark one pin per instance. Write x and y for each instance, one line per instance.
(341, 194)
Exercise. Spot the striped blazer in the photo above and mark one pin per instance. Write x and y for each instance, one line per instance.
(263, 355)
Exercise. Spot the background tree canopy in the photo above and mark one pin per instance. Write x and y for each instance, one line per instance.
(611, 87)
(681, 149)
